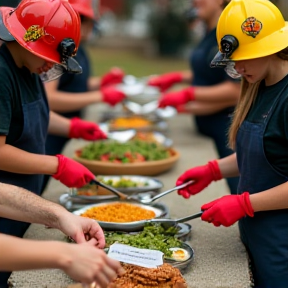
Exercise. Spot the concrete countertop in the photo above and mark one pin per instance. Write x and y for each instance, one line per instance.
(220, 259)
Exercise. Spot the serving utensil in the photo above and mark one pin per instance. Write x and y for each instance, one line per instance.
(134, 198)
(168, 223)
(148, 201)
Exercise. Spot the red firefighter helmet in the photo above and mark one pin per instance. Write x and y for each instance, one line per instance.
(49, 29)
(88, 8)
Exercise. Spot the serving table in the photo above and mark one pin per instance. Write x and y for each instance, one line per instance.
(220, 259)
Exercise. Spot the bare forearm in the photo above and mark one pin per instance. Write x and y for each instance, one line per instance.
(187, 76)
(19, 161)
(67, 102)
(94, 83)
(221, 92)
(200, 108)
(19, 204)
(58, 125)
(273, 199)
(228, 166)
(21, 254)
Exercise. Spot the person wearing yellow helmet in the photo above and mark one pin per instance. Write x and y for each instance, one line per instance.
(69, 94)
(211, 95)
(253, 45)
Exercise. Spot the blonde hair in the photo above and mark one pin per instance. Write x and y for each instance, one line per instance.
(247, 97)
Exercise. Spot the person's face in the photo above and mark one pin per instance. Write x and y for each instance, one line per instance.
(254, 70)
(206, 9)
(35, 64)
(86, 29)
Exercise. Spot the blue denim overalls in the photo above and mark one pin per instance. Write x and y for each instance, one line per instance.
(266, 234)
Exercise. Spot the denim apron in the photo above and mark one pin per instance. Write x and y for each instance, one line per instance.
(265, 236)
(36, 120)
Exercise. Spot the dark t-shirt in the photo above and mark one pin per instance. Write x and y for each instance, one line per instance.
(276, 133)
(18, 86)
(200, 61)
(76, 83)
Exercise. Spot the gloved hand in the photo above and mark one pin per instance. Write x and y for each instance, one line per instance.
(72, 173)
(114, 76)
(227, 209)
(85, 130)
(112, 96)
(202, 175)
(177, 98)
(165, 81)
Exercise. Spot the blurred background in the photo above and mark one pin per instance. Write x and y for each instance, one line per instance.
(146, 37)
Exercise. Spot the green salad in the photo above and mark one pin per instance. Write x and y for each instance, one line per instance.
(129, 152)
(153, 236)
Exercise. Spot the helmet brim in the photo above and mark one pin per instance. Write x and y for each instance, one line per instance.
(5, 35)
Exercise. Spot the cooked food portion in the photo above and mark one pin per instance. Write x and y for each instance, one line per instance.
(123, 182)
(88, 190)
(145, 136)
(129, 122)
(152, 237)
(179, 254)
(165, 276)
(129, 152)
(119, 213)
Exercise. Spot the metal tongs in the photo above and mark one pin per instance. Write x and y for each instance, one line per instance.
(168, 223)
(134, 198)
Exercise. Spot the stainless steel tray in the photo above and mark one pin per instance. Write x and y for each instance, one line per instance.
(160, 210)
(153, 185)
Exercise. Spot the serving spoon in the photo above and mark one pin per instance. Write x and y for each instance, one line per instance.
(168, 223)
(134, 197)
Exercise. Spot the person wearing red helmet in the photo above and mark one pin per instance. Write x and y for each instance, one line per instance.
(72, 92)
(40, 39)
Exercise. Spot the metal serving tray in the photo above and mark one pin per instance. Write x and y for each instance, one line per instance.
(159, 209)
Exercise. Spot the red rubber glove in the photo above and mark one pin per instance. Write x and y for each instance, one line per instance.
(72, 173)
(112, 96)
(227, 209)
(114, 76)
(177, 98)
(202, 175)
(85, 130)
(165, 81)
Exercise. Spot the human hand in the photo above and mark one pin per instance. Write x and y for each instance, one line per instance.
(81, 229)
(177, 98)
(85, 130)
(111, 95)
(227, 209)
(87, 264)
(202, 176)
(72, 173)
(166, 80)
(114, 76)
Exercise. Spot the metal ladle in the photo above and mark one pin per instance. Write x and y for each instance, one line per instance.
(167, 223)
(134, 198)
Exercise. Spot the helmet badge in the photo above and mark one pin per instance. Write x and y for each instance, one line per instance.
(251, 27)
(35, 32)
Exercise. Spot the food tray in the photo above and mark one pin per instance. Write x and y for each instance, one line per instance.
(148, 168)
(159, 209)
(181, 265)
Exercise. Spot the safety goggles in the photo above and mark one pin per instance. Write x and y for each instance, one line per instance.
(68, 64)
(222, 59)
